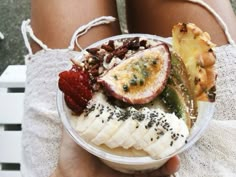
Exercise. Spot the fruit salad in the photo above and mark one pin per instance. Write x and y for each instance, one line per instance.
(140, 94)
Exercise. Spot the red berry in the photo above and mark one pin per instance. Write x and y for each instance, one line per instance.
(75, 84)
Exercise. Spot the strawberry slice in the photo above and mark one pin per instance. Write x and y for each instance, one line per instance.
(75, 84)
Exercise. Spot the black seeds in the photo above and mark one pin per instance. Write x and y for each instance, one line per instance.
(145, 74)
(150, 124)
(133, 82)
(140, 117)
(171, 143)
(154, 62)
(92, 108)
(123, 115)
(125, 87)
(151, 139)
(141, 82)
(115, 76)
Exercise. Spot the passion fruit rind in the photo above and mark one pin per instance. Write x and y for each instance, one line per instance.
(141, 77)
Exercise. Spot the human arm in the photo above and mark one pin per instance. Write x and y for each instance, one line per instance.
(76, 162)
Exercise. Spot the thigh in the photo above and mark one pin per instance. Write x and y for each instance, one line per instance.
(158, 17)
(55, 21)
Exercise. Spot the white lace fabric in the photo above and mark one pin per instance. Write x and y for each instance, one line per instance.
(41, 126)
(214, 153)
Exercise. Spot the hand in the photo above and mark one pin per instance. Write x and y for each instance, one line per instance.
(76, 162)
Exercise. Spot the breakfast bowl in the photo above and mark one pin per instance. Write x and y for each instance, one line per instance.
(129, 159)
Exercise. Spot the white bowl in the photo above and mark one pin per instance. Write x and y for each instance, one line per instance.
(125, 163)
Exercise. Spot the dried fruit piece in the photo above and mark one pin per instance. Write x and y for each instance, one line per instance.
(195, 48)
(76, 87)
(178, 94)
(176, 103)
(139, 78)
(93, 51)
(179, 78)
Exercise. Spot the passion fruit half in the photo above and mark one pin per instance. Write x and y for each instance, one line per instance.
(139, 78)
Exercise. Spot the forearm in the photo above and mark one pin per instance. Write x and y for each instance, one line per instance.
(55, 21)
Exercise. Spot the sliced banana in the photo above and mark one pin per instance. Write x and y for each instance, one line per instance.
(150, 130)
(124, 132)
(109, 129)
(139, 131)
(170, 141)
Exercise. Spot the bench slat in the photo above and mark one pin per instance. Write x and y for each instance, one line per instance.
(11, 108)
(10, 173)
(10, 149)
(14, 76)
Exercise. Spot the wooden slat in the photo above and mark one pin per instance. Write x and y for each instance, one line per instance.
(10, 148)
(11, 108)
(11, 113)
(14, 76)
(10, 174)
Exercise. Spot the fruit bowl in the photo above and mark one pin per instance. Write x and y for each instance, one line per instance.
(126, 163)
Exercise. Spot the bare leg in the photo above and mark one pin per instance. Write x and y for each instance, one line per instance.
(158, 17)
(55, 21)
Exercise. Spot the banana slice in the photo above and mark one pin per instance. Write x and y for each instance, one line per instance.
(95, 118)
(142, 130)
(124, 132)
(109, 129)
(151, 130)
(133, 140)
(85, 120)
(170, 141)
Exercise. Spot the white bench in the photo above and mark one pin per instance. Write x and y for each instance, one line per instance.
(12, 83)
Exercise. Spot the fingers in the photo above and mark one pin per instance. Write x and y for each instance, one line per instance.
(169, 168)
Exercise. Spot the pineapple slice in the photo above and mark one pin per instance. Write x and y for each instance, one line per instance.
(196, 49)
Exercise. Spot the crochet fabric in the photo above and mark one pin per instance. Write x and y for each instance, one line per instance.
(213, 155)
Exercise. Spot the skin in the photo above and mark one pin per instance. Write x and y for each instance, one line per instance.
(159, 16)
(55, 27)
(76, 162)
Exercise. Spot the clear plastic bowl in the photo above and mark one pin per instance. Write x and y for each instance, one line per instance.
(133, 164)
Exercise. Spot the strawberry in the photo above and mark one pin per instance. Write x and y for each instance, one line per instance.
(75, 84)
